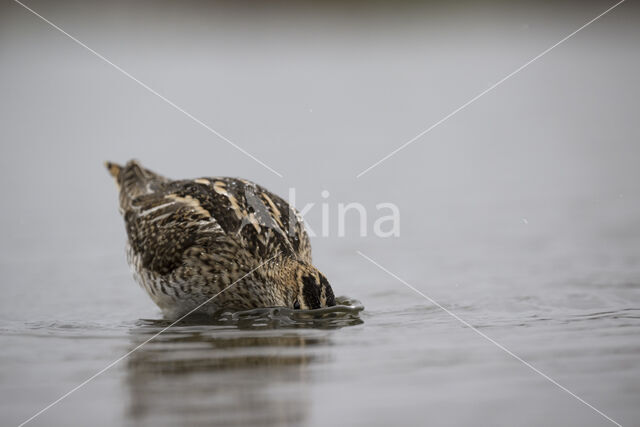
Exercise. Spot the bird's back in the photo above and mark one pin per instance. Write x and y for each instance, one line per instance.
(166, 218)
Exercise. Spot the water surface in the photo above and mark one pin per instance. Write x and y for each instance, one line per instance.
(521, 214)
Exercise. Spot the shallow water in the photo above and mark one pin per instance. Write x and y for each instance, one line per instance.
(344, 313)
(520, 215)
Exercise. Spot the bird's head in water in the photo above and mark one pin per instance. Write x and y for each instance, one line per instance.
(309, 289)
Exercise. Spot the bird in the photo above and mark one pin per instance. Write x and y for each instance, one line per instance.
(205, 244)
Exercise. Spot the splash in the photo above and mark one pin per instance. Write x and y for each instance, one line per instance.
(346, 312)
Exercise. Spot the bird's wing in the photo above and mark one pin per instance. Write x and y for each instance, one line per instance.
(162, 226)
(262, 222)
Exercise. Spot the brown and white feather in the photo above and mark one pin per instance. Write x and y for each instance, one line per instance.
(189, 239)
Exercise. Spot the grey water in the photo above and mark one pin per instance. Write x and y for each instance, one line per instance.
(520, 214)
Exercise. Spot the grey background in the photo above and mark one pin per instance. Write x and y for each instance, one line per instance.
(320, 92)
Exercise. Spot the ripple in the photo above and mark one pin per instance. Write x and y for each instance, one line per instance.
(625, 313)
(560, 318)
(346, 312)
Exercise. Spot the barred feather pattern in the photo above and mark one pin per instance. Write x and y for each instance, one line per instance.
(190, 239)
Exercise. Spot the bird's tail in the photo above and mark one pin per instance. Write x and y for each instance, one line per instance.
(133, 180)
(114, 169)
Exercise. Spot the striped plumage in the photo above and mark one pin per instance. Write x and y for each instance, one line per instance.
(190, 239)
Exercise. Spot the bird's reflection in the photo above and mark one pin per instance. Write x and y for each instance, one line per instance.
(214, 375)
